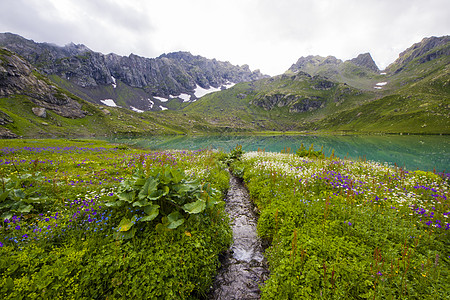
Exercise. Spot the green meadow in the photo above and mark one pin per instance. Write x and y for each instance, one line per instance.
(87, 219)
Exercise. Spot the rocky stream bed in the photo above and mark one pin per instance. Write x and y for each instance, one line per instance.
(243, 265)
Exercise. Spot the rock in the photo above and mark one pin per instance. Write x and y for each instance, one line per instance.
(5, 118)
(17, 77)
(7, 134)
(106, 112)
(365, 60)
(169, 74)
(40, 112)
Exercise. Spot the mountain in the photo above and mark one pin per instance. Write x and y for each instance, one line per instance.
(316, 95)
(33, 106)
(130, 81)
(427, 50)
(414, 95)
(360, 72)
(325, 94)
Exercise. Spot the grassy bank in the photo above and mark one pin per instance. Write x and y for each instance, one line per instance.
(341, 229)
(85, 219)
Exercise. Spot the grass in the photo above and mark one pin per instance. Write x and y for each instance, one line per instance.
(336, 228)
(341, 229)
(66, 245)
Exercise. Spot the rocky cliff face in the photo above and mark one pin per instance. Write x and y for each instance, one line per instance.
(168, 75)
(18, 77)
(365, 60)
(428, 49)
(318, 64)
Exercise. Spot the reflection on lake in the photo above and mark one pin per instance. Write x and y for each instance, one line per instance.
(411, 152)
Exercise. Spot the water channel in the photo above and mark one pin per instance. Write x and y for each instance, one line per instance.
(243, 265)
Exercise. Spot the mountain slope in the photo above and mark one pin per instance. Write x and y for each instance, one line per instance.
(360, 72)
(133, 81)
(315, 95)
(280, 103)
(416, 93)
(328, 95)
(32, 106)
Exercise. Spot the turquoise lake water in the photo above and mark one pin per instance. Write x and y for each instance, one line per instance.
(408, 151)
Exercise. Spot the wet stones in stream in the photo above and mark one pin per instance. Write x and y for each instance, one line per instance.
(243, 265)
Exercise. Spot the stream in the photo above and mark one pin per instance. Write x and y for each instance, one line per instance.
(243, 265)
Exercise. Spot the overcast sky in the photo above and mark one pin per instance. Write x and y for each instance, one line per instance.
(269, 35)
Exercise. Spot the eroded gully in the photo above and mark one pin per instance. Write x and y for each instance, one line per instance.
(243, 265)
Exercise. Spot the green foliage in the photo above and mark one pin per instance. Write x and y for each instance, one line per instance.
(168, 194)
(69, 246)
(302, 152)
(349, 230)
(20, 194)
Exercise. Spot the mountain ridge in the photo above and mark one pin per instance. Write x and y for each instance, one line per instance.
(88, 74)
(316, 95)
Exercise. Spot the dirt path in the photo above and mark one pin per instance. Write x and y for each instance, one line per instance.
(243, 266)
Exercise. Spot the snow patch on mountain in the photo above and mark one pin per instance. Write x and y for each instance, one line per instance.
(161, 99)
(136, 109)
(109, 102)
(184, 97)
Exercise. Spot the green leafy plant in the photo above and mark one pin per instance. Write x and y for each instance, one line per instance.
(167, 193)
(302, 152)
(19, 194)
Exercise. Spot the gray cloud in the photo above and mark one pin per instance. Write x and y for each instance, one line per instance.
(265, 34)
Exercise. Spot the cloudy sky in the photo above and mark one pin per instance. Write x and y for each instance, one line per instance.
(269, 35)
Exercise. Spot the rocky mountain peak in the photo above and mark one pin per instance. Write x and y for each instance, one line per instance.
(314, 61)
(365, 60)
(426, 50)
(146, 80)
(18, 77)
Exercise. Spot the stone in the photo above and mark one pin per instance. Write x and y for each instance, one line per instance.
(40, 112)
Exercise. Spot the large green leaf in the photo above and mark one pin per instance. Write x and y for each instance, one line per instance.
(6, 215)
(150, 186)
(183, 188)
(18, 194)
(140, 203)
(4, 196)
(177, 175)
(124, 235)
(155, 195)
(174, 220)
(195, 207)
(126, 224)
(126, 185)
(127, 196)
(165, 190)
(117, 203)
(152, 212)
(25, 208)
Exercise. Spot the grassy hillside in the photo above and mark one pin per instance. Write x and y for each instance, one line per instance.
(101, 121)
(414, 97)
(417, 101)
(279, 103)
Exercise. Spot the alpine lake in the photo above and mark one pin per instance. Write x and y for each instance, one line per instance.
(410, 152)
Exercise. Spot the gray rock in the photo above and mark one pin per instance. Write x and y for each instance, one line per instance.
(40, 112)
(17, 77)
(168, 74)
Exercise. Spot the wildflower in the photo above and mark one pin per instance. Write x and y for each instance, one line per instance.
(380, 274)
